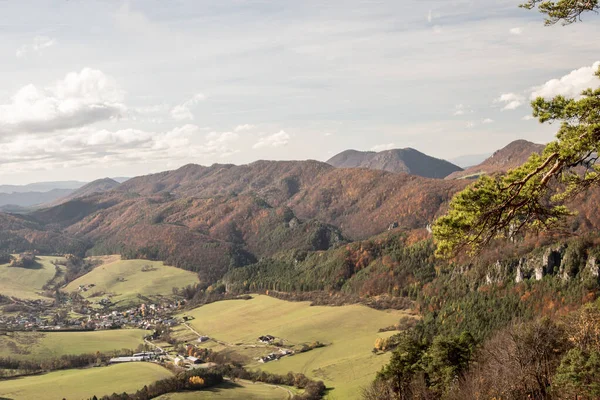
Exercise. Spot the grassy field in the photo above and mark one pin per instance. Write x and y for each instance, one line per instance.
(26, 283)
(83, 383)
(345, 364)
(43, 345)
(124, 280)
(233, 391)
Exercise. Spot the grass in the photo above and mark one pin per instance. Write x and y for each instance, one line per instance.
(44, 345)
(346, 364)
(27, 283)
(83, 383)
(124, 280)
(233, 391)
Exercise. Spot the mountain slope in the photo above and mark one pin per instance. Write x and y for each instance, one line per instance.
(407, 160)
(510, 156)
(209, 219)
(97, 186)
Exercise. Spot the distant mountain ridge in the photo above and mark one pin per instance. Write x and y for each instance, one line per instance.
(511, 156)
(20, 198)
(30, 199)
(406, 160)
(41, 186)
(468, 160)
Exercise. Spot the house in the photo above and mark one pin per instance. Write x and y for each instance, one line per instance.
(202, 339)
(194, 360)
(266, 339)
(270, 357)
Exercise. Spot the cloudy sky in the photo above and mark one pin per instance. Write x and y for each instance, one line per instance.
(95, 88)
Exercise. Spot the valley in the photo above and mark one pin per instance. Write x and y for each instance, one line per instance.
(273, 280)
(296, 200)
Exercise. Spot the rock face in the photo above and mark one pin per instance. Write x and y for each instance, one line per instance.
(591, 269)
(551, 261)
(519, 274)
(498, 272)
(536, 266)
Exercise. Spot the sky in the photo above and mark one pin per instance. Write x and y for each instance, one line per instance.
(96, 88)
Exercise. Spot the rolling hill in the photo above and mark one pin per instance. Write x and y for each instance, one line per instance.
(407, 160)
(345, 364)
(124, 280)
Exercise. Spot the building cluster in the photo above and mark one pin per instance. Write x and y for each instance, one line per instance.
(275, 356)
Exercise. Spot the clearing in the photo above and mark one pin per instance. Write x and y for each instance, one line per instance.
(346, 364)
(124, 280)
(27, 283)
(44, 345)
(84, 383)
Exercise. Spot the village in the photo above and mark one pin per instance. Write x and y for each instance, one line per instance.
(35, 316)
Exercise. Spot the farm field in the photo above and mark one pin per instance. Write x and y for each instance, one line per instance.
(123, 280)
(44, 345)
(233, 391)
(346, 364)
(27, 283)
(83, 383)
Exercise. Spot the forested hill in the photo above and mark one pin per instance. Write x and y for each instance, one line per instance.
(210, 218)
(407, 160)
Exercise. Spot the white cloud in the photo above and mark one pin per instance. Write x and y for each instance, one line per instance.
(461, 109)
(516, 31)
(39, 43)
(528, 118)
(383, 147)
(88, 146)
(278, 139)
(570, 85)
(429, 16)
(245, 127)
(470, 124)
(182, 111)
(437, 29)
(328, 134)
(511, 100)
(219, 143)
(487, 121)
(80, 99)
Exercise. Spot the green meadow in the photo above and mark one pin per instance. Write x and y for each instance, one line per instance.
(27, 283)
(83, 383)
(124, 280)
(233, 391)
(346, 364)
(44, 345)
